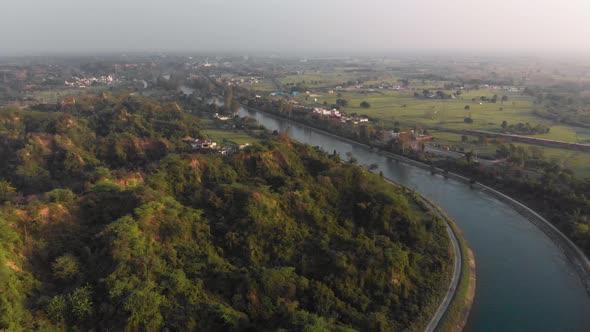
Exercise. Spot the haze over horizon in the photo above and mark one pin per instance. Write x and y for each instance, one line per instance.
(504, 26)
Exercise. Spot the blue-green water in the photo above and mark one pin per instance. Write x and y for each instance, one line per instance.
(524, 282)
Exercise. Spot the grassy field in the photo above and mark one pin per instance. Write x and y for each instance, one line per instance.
(313, 79)
(577, 161)
(402, 106)
(390, 106)
(472, 143)
(229, 137)
(568, 133)
(264, 85)
(55, 96)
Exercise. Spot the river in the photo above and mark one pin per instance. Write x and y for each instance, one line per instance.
(524, 281)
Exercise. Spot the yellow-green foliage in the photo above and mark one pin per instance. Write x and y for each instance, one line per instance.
(124, 227)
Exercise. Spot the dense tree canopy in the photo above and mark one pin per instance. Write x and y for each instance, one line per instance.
(111, 221)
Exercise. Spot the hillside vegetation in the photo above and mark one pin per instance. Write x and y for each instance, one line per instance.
(109, 221)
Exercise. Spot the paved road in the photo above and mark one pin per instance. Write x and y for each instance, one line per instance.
(444, 305)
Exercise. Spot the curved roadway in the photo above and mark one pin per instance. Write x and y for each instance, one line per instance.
(444, 305)
(458, 265)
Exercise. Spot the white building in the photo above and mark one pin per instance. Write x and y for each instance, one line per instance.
(203, 144)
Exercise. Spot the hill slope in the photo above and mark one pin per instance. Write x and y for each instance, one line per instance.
(111, 221)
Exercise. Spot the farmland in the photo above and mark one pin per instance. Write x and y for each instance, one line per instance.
(229, 137)
(407, 96)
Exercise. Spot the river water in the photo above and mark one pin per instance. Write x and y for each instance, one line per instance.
(524, 282)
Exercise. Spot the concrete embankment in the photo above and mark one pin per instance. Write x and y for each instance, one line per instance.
(573, 253)
(456, 312)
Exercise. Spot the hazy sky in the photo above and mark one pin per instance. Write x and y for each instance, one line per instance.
(297, 25)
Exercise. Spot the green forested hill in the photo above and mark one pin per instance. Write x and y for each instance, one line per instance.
(109, 221)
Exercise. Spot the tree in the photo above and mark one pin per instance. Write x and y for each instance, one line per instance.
(342, 102)
(235, 106)
(504, 98)
(65, 267)
(404, 139)
(81, 302)
(365, 104)
(7, 191)
(351, 158)
(464, 138)
(469, 156)
(468, 120)
(467, 107)
(504, 124)
(57, 308)
(228, 98)
(143, 305)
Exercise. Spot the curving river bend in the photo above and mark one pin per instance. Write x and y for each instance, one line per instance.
(524, 282)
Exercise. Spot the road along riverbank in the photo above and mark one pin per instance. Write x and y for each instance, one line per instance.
(455, 315)
(453, 310)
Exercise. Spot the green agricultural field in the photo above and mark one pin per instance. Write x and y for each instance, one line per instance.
(55, 96)
(568, 134)
(472, 143)
(264, 85)
(402, 106)
(578, 161)
(314, 79)
(438, 115)
(390, 106)
(229, 137)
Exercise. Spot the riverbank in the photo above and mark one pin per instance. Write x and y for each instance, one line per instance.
(462, 277)
(457, 312)
(573, 254)
(454, 310)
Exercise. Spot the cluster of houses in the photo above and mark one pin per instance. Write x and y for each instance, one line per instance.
(415, 136)
(206, 145)
(222, 117)
(496, 87)
(245, 81)
(369, 88)
(82, 82)
(335, 114)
